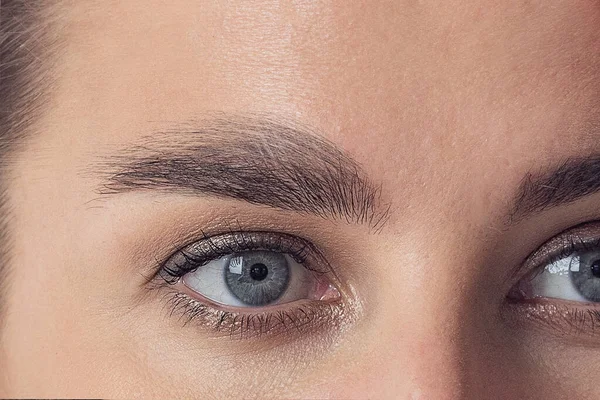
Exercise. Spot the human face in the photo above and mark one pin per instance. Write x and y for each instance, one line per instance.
(409, 146)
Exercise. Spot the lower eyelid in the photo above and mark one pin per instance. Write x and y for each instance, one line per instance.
(300, 318)
(330, 294)
(566, 320)
(190, 307)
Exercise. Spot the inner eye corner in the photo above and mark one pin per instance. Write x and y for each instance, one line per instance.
(568, 273)
(252, 269)
(272, 276)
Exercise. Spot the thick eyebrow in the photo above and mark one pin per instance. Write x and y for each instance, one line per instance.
(254, 159)
(572, 180)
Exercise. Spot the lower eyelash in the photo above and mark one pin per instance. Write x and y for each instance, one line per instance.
(564, 321)
(301, 318)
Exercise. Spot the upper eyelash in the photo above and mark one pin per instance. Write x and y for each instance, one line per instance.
(246, 324)
(219, 245)
(572, 243)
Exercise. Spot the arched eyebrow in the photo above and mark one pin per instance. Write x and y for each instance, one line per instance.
(258, 160)
(559, 185)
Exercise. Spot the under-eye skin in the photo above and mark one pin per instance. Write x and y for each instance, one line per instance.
(560, 286)
(247, 284)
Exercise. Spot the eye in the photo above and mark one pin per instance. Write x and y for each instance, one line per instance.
(559, 292)
(575, 277)
(255, 279)
(250, 270)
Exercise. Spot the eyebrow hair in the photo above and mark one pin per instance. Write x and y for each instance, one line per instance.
(256, 159)
(568, 182)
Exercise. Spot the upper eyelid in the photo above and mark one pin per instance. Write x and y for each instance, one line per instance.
(278, 237)
(250, 243)
(155, 250)
(584, 236)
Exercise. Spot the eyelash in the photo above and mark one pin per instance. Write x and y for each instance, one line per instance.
(301, 318)
(573, 244)
(564, 319)
(216, 246)
(276, 320)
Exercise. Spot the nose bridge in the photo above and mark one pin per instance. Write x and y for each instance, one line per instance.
(427, 354)
(420, 325)
(410, 358)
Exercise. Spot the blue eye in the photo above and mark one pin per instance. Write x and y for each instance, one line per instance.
(253, 278)
(257, 278)
(248, 270)
(575, 277)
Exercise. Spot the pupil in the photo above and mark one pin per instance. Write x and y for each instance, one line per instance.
(258, 272)
(595, 267)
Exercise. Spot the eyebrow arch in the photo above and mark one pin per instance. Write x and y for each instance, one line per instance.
(568, 182)
(255, 159)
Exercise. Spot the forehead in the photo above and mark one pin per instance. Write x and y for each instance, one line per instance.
(416, 91)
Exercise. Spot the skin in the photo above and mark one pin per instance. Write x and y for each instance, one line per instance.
(446, 105)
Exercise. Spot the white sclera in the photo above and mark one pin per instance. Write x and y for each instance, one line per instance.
(209, 281)
(555, 281)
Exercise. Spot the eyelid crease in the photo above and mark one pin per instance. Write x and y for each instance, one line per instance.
(211, 247)
(583, 237)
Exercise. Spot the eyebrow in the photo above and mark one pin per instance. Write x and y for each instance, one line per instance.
(568, 182)
(259, 160)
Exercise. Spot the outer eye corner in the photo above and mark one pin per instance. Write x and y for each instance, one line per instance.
(260, 269)
(255, 278)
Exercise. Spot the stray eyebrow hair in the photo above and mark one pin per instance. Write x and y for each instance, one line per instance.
(570, 181)
(259, 160)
